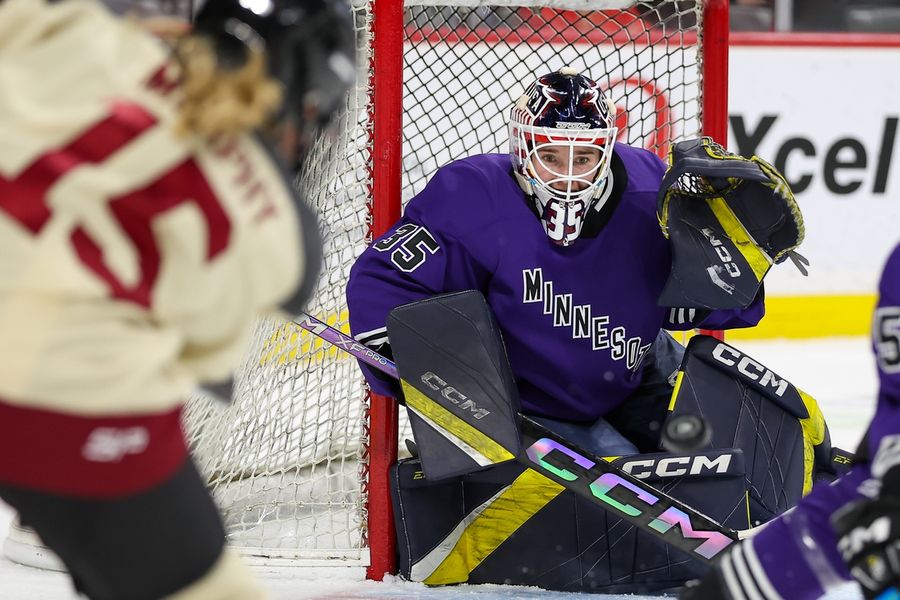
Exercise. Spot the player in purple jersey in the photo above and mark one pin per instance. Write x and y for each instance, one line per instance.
(561, 236)
(849, 529)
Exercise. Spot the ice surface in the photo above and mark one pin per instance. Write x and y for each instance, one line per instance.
(838, 372)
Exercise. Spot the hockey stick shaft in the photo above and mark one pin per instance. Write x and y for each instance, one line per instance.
(347, 344)
(601, 482)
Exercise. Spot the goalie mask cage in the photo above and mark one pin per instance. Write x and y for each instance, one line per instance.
(298, 463)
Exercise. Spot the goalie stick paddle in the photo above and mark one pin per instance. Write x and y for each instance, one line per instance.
(582, 472)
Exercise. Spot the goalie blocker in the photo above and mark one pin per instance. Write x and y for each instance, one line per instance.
(509, 524)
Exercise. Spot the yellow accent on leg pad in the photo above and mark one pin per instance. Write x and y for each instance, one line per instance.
(674, 398)
(489, 526)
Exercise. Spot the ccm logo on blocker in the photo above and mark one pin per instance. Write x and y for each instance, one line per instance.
(453, 395)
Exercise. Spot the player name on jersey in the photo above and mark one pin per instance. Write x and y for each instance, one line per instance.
(580, 318)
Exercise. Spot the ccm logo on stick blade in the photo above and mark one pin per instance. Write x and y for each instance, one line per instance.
(634, 502)
(453, 395)
(676, 466)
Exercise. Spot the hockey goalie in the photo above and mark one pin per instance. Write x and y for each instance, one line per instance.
(586, 251)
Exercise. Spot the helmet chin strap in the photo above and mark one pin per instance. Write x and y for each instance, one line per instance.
(602, 193)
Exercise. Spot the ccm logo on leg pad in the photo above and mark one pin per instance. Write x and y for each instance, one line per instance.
(663, 466)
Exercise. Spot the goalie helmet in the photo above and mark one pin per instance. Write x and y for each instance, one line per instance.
(562, 133)
(309, 44)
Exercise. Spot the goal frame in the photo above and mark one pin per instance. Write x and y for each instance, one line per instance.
(386, 70)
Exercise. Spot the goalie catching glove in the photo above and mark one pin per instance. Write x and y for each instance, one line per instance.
(729, 219)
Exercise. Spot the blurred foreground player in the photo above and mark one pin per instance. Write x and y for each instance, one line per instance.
(143, 228)
(849, 529)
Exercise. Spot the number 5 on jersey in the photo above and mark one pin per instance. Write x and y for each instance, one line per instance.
(409, 246)
(887, 338)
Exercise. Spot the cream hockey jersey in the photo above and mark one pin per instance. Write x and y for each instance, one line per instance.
(132, 261)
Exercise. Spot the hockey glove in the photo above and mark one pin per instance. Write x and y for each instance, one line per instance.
(869, 541)
(729, 219)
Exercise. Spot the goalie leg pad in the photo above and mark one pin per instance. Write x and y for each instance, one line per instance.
(779, 428)
(511, 525)
(142, 547)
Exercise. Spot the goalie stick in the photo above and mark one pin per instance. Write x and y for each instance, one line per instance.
(582, 472)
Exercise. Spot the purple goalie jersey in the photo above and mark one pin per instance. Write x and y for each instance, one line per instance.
(577, 320)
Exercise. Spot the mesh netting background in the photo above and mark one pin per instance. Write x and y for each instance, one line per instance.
(464, 67)
(287, 460)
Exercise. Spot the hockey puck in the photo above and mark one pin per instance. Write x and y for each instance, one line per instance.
(686, 433)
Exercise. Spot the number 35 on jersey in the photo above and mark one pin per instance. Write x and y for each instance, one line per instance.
(409, 246)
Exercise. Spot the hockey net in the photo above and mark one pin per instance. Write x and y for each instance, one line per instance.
(297, 462)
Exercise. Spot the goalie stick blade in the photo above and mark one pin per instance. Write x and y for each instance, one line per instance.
(459, 389)
(623, 495)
